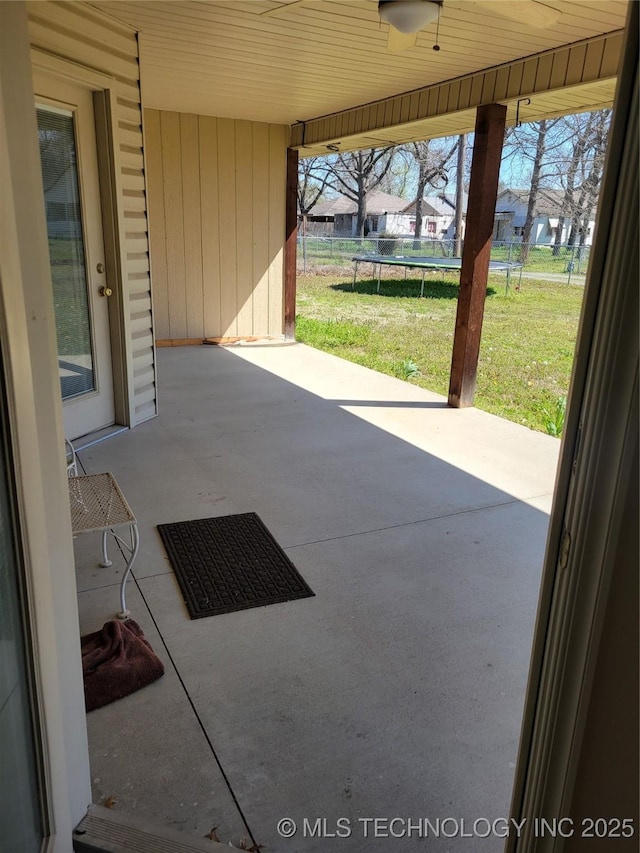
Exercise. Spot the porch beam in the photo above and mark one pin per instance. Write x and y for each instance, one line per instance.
(446, 108)
(290, 248)
(483, 191)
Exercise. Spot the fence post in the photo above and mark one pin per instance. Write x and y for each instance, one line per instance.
(573, 252)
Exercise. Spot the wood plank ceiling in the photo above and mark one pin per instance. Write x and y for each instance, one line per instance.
(227, 58)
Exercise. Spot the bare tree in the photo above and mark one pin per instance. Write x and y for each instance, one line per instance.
(400, 173)
(590, 166)
(432, 158)
(569, 190)
(459, 195)
(532, 143)
(542, 127)
(566, 153)
(312, 182)
(356, 173)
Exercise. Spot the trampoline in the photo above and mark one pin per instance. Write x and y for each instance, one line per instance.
(424, 264)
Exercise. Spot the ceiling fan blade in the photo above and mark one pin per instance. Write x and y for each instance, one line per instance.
(282, 9)
(397, 41)
(531, 13)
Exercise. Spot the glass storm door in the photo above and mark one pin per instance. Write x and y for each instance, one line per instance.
(66, 133)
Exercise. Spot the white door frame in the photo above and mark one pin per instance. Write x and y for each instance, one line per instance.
(94, 409)
(104, 93)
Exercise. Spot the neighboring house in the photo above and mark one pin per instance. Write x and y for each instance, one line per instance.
(321, 220)
(439, 215)
(343, 212)
(387, 214)
(511, 213)
(403, 224)
(318, 223)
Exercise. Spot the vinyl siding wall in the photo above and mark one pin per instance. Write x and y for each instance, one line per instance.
(104, 54)
(217, 219)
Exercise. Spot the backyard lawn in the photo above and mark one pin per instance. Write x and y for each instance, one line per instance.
(527, 342)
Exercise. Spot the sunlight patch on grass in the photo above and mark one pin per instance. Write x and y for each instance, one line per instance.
(527, 344)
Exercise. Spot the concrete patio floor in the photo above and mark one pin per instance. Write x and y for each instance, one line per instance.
(397, 691)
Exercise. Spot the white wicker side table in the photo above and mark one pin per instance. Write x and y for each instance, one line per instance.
(98, 505)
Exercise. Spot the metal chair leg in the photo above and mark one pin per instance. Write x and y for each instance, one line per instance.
(106, 562)
(135, 544)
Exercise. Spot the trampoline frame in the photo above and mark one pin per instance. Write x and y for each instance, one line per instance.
(426, 263)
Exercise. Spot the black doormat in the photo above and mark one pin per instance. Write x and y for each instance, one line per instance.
(230, 563)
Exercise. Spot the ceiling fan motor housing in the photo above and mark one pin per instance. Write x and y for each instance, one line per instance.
(408, 16)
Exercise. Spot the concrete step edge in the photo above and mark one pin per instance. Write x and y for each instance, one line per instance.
(103, 830)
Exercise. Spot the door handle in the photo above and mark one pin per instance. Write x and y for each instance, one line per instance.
(105, 291)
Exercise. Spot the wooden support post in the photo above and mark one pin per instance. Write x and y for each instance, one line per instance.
(290, 246)
(483, 190)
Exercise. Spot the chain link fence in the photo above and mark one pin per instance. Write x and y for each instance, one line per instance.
(541, 260)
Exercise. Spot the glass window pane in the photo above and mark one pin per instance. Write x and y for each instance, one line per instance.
(66, 251)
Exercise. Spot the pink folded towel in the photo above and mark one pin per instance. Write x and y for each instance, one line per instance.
(117, 661)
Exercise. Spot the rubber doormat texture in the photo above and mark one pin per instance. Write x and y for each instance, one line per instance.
(230, 563)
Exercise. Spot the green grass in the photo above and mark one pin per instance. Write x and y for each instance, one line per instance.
(69, 297)
(527, 343)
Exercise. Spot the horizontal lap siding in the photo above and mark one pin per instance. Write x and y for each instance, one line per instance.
(216, 209)
(86, 37)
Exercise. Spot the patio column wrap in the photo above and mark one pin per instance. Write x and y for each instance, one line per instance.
(291, 226)
(483, 190)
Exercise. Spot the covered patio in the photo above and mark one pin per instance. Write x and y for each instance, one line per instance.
(397, 691)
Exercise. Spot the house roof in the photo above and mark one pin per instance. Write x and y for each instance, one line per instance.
(377, 203)
(450, 199)
(306, 62)
(548, 203)
(443, 204)
(331, 206)
(428, 209)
